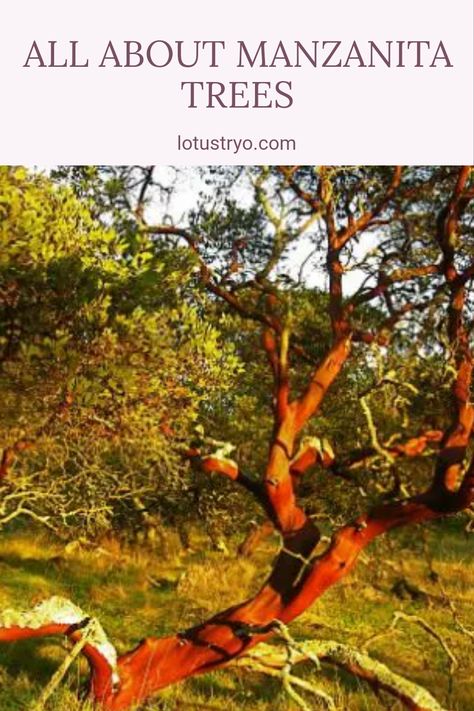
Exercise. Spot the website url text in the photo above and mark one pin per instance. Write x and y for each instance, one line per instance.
(235, 145)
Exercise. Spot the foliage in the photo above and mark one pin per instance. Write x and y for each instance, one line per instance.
(104, 368)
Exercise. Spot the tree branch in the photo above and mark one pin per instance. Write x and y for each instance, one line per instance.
(364, 221)
(59, 616)
(375, 673)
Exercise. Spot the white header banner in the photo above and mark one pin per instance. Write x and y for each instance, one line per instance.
(248, 82)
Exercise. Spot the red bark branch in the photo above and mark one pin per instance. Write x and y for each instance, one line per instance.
(457, 437)
(59, 617)
(364, 221)
(324, 376)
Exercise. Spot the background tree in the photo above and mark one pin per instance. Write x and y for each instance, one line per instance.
(101, 352)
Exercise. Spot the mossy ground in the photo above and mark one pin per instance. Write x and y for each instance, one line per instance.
(136, 593)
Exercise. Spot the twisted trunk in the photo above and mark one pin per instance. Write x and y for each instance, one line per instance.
(294, 584)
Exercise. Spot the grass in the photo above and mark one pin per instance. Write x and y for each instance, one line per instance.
(136, 593)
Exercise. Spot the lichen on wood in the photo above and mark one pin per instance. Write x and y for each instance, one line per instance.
(58, 610)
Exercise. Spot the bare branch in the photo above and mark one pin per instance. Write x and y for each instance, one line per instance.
(378, 675)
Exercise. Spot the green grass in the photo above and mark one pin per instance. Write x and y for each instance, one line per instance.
(135, 594)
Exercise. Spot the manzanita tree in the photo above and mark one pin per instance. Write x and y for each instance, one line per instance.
(393, 310)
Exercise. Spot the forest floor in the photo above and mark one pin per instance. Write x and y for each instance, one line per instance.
(135, 594)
